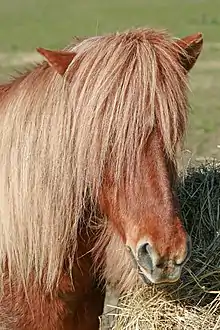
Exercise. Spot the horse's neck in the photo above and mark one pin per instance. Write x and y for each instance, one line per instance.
(5, 88)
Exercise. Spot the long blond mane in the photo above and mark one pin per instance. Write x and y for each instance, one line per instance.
(58, 133)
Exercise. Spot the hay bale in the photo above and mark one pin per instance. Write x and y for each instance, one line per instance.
(193, 302)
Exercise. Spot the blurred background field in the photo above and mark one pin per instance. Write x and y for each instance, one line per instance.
(27, 24)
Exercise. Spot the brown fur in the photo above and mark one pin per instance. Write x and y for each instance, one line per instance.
(101, 137)
(76, 302)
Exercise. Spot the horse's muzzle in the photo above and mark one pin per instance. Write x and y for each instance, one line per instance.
(154, 269)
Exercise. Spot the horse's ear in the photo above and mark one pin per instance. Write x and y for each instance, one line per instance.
(191, 46)
(59, 60)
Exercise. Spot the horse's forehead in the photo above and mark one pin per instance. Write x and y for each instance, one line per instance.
(152, 38)
(83, 43)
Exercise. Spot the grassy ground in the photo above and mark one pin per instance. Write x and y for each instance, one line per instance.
(26, 24)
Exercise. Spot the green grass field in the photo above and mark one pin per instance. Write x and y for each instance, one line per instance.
(26, 24)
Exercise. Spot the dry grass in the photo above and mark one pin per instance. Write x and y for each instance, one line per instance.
(194, 302)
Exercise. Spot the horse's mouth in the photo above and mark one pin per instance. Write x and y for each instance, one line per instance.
(149, 277)
(157, 279)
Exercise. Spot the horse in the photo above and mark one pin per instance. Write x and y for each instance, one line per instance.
(88, 155)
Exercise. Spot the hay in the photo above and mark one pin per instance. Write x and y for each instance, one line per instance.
(194, 302)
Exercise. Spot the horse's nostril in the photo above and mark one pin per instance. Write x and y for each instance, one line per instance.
(144, 256)
(143, 248)
(160, 265)
(183, 260)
